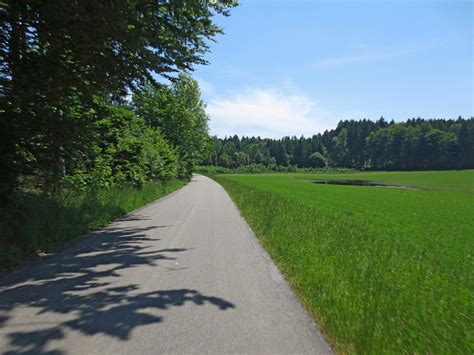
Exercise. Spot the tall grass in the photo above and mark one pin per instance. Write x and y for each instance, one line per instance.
(46, 221)
(378, 281)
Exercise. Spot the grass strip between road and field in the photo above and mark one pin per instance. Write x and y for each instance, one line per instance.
(49, 221)
(371, 287)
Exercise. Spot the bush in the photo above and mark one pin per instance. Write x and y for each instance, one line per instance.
(262, 169)
(122, 150)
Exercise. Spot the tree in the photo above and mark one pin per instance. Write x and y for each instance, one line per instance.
(122, 149)
(179, 113)
(341, 151)
(225, 160)
(466, 143)
(241, 159)
(415, 144)
(317, 160)
(279, 153)
(59, 57)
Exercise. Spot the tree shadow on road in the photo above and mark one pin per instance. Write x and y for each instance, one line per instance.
(76, 289)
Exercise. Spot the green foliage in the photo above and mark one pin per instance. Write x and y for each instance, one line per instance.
(317, 160)
(124, 149)
(178, 112)
(261, 169)
(382, 270)
(61, 60)
(412, 145)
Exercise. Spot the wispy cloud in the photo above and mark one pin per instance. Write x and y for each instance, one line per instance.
(205, 86)
(367, 54)
(266, 113)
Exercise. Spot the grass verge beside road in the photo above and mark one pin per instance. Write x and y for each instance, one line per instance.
(46, 221)
(382, 270)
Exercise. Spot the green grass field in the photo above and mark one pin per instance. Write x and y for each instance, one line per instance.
(382, 270)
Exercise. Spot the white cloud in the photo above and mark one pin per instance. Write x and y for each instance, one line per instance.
(266, 113)
(205, 86)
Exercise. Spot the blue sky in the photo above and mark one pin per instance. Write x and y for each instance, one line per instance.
(298, 67)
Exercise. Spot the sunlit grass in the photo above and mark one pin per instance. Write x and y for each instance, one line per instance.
(382, 270)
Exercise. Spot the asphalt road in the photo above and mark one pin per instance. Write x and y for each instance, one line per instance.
(184, 275)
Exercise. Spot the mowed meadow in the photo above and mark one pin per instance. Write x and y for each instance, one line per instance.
(382, 270)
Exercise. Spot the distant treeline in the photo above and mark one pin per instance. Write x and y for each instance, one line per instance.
(414, 144)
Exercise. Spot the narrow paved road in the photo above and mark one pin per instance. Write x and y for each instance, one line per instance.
(182, 275)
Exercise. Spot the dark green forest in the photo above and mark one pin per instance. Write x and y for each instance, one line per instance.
(416, 144)
(96, 96)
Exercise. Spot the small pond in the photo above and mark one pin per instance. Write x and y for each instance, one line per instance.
(362, 183)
